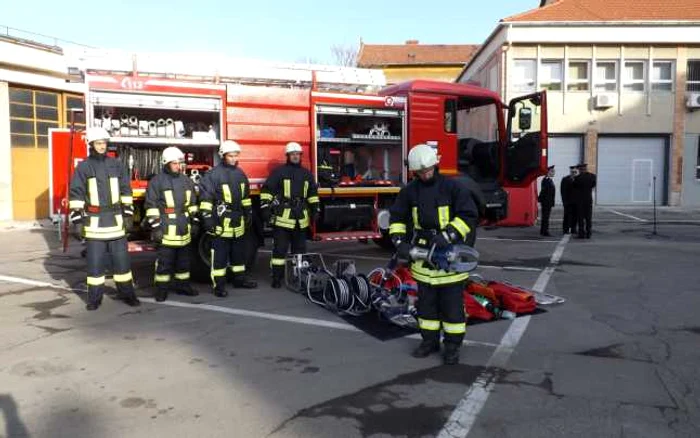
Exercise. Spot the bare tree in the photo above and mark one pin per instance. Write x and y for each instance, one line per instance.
(344, 54)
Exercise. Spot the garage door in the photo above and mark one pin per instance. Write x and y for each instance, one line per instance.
(562, 153)
(626, 169)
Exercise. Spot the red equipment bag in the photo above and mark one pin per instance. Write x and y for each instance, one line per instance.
(474, 309)
(513, 298)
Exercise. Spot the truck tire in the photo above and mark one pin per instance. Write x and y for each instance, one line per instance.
(384, 242)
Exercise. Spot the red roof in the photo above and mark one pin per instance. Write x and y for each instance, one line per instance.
(412, 53)
(612, 10)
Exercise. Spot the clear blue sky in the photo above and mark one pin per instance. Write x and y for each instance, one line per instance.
(280, 30)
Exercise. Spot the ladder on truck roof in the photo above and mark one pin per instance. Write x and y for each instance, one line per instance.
(214, 68)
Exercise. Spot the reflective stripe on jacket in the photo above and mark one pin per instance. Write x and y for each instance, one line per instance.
(171, 198)
(296, 192)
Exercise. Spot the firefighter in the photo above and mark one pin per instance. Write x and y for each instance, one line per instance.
(227, 214)
(546, 199)
(289, 199)
(171, 213)
(441, 212)
(101, 201)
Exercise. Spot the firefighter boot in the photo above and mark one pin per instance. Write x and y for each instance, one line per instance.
(185, 288)
(94, 297)
(426, 348)
(451, 354)
(242, 281)
(161, 293)
(277, 274)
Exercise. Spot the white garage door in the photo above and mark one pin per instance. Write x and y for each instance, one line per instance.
(562, 153)
(626, 169)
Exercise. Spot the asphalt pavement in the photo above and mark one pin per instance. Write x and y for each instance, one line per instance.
(618, 358)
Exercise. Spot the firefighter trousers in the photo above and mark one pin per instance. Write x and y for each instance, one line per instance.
(172, 266)
(441, 307)
(282, 239)
(227, 252)
(98, 251)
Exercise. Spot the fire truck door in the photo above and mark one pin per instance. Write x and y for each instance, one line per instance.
(525, 155)
(432, 119)
(59, 151)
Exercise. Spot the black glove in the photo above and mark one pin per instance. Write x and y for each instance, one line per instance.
(157, 234)
(441, 240)
(209, 222)
(153, 222)
(248, 219)
(315, 214)
(265, 213)
(76, 216)
(404, 250)
(195, 228)
(128, 213)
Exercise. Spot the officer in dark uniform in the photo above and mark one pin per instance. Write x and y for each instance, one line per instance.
(568, 200)
(441, 212)
(171, 210)
(101, 200)
(546, 199)
(227, 213)
(289, 199)
(584, 184)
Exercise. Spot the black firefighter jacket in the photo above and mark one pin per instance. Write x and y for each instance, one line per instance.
(170, 197)
(296, 192)
(429, 208)
(225, 196)
(101, 187)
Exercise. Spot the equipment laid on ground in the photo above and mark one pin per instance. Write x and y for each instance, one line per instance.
(340, 289)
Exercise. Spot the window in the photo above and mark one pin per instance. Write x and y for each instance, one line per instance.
(693, 75)
(32, 114)
(662, 76)
(524, 75)
(551, 75)
(634, 76)
(73, 101)
(578, 76)
(450, 116)
(606, 76)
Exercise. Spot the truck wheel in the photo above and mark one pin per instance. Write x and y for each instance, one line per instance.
(201, 258)
(384, 242)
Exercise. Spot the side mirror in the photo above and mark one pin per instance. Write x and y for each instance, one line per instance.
(524, 119)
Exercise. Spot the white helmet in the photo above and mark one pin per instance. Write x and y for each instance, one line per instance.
(171, 154)
(292, 146)
(228, 146)
(422, 157)
(95, 133)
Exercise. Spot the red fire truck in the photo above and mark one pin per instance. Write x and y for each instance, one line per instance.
(355, 142)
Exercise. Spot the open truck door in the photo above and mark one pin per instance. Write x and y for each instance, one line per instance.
(525, 155)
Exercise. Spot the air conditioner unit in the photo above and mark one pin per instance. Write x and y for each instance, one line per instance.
(693, 100)
(604, 100)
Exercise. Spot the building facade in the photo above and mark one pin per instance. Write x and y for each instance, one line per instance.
(623, 86)
(403, 62)
(34, 98)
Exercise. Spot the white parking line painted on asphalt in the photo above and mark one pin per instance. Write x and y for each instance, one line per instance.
(638, 219)
(464, 416)
(231, 311)
(30, 282)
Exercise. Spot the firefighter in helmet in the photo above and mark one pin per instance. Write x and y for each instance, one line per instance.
(101, 201)
(171, 213)
(227, 213)
(289, 199)
(440, 212)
